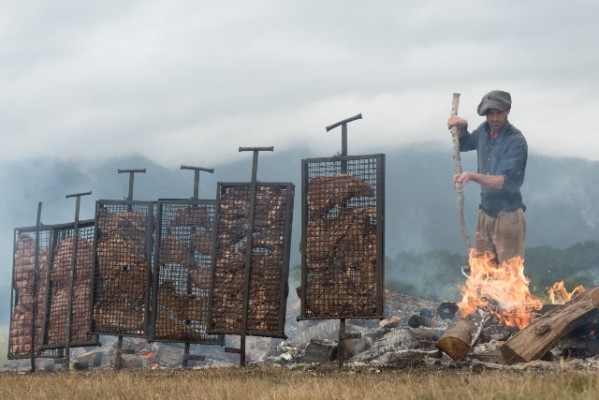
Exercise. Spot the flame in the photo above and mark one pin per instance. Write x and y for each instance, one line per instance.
(155, 366)
(559, 295)
(502, 289)
(147, 356)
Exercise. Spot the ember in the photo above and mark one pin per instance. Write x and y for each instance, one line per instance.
(501, 289)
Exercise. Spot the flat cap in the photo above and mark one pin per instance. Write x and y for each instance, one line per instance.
(495, 100)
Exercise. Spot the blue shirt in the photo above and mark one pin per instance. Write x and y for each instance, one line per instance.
(505, 155)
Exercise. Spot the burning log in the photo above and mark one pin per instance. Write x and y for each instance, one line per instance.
(417, 320)
(535, 340)
(447, 310)
(459, 338)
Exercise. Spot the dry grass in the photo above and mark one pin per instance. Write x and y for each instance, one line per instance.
(316, 383)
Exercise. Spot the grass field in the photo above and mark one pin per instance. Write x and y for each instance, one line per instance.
(305, 383)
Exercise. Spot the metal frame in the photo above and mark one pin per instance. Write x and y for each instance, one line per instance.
(183, 271)
(339, 280)
(118, 310)
(38, 281)
(234, 294)
(44, 281)
(55, 328)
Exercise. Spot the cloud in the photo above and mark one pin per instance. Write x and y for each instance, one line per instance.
(195, 80)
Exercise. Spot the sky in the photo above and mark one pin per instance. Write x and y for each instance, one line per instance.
(189, 82)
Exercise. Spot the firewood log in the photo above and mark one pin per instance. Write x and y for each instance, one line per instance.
(532, 342)
(461, 335)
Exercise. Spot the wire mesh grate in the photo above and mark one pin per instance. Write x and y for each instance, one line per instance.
(28, 293)
(122, 270)
(267, 250)
(184, 271)
(342, 232)
(63, 243)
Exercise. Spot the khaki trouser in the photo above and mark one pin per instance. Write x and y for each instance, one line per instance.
(503, 235)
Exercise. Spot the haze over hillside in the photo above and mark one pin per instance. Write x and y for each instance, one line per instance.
(421, 213)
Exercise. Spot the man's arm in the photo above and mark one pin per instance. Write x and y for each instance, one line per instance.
(459, 123)
(490, 181)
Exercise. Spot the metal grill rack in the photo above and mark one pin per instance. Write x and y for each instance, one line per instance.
(122, 272)
(28, 294)
(251, 258)
(343, 237)
(74, 275)
(268, 246)
(185, 240)
(342, 234)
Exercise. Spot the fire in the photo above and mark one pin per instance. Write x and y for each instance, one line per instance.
(501, 289)
(559, 295)
(147, 356)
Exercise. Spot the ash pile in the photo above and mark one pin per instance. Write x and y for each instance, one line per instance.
(561, 337)
(408, 336)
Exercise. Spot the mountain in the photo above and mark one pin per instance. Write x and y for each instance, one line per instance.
(420, 204)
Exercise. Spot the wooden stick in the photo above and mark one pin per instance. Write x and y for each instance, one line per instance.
(458, 170)
(532, 342)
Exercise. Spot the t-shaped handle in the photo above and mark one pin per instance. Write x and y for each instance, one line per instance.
(131, 172)
(255, 159)
(196, 178)
(78, 202)
(343, 124)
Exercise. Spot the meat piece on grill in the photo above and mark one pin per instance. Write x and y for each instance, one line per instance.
(113, 315)
(202, 242)
(61, 265)
(187, 307)
(115, 251)
(126, 223)
(192, 216)
(173, 250)
(326, 192)
(269, 209)
(200, 276)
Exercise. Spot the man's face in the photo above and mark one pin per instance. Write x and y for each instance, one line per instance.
(496, 119)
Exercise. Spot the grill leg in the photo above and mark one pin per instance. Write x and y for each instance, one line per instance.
(119, 351)
(341, 346)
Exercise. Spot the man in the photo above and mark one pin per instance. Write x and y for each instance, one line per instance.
(502, 155)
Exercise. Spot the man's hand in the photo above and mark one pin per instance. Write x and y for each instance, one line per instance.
(459, 123)
(462, 179)
(490, 181)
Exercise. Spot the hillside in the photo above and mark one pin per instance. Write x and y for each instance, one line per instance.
(561, 195)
